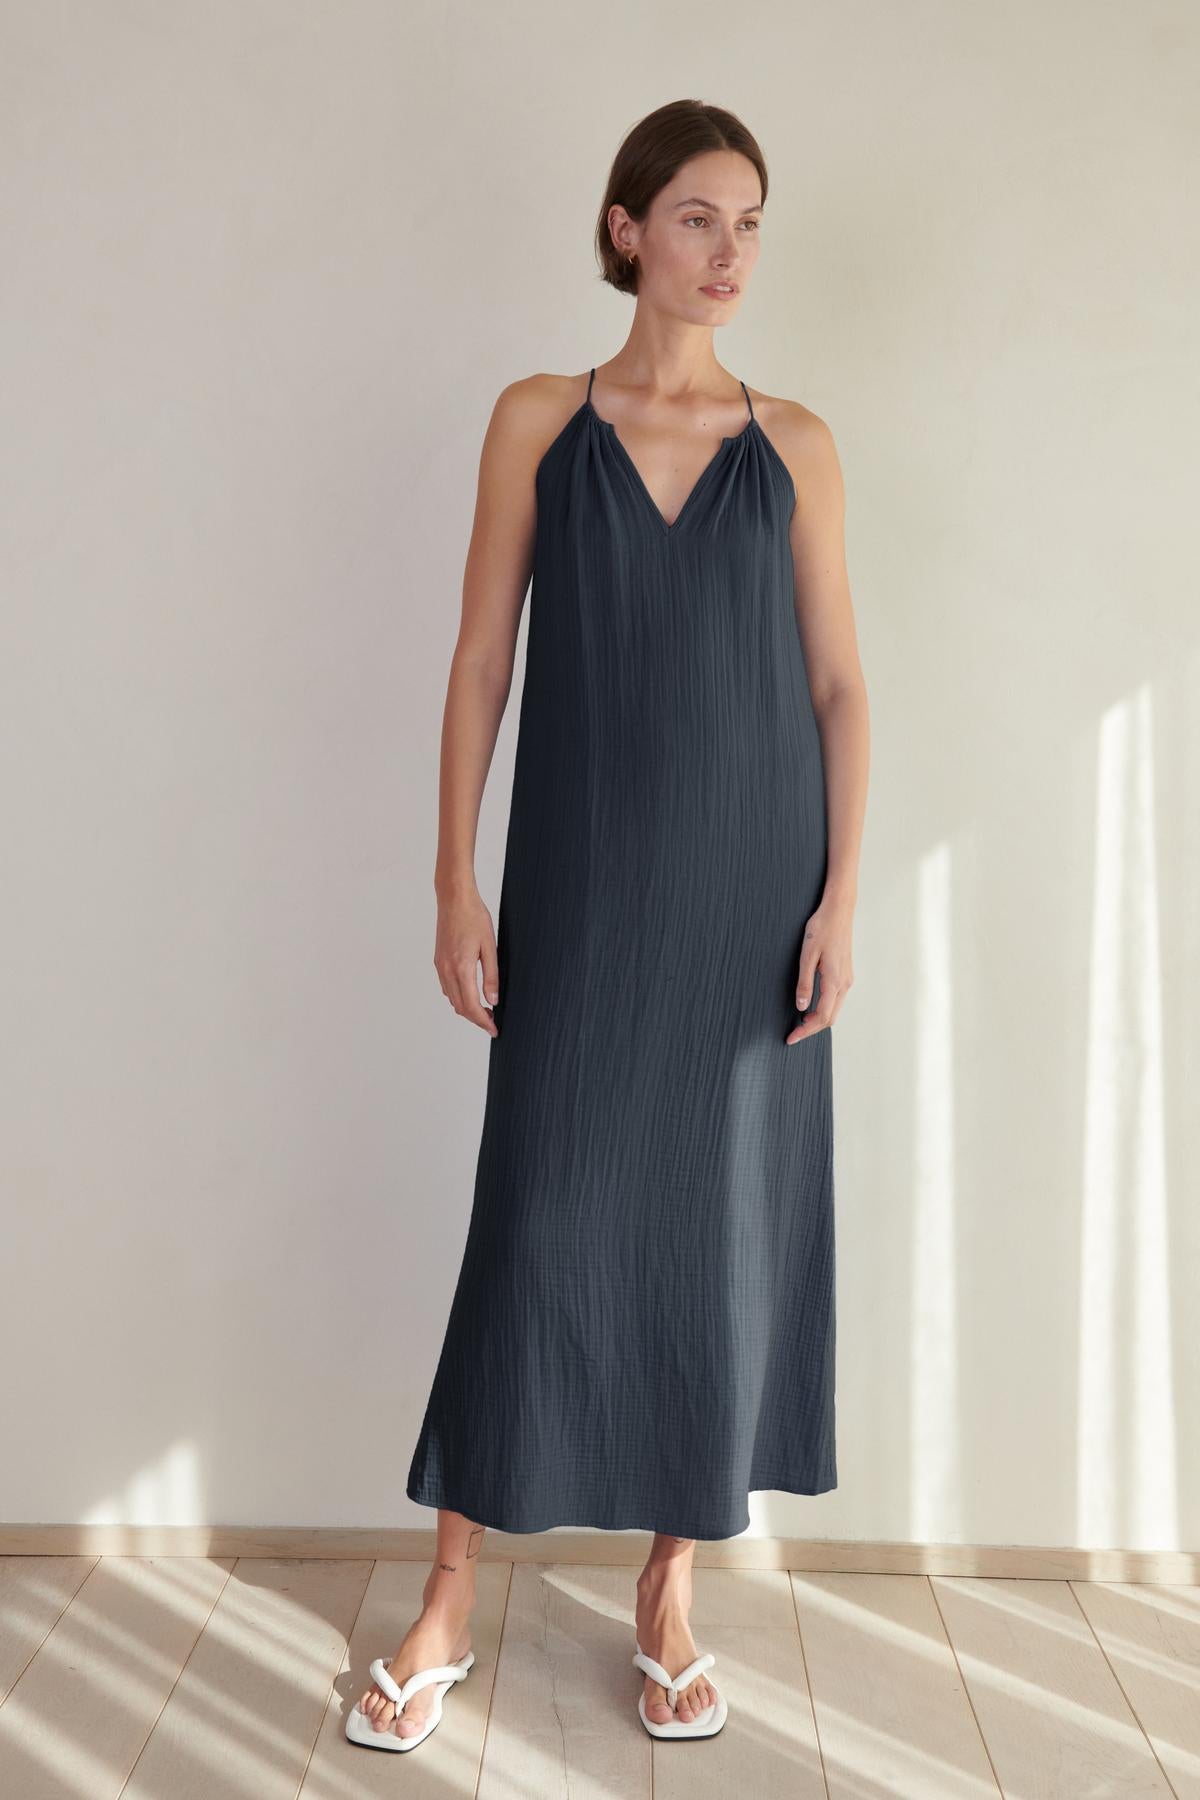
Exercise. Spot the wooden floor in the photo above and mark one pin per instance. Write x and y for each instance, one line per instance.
(181, 1678)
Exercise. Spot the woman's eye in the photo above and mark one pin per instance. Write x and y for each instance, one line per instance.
(699, 219)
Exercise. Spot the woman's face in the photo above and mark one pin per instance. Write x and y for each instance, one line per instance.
(701, 230)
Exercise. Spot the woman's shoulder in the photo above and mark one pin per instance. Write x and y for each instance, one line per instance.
(531, 412)
(537, 398)
(791, 419)
(803, 439)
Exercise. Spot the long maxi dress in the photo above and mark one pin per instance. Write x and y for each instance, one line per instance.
(643, 1330)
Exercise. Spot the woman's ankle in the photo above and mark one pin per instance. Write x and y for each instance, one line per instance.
(669, 1561)
(448, 1599)
(664, 1590)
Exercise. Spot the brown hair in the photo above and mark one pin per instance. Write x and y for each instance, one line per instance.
(650, 155)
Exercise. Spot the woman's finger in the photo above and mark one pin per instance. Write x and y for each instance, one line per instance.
(467, 1001)
(810, 957)
(491, 972)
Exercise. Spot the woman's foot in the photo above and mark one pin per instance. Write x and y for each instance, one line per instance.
(664, 1599)
(440, 1635)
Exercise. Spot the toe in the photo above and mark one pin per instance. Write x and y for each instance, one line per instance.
(694, 1701)
(656, 1704)
(413, 1716)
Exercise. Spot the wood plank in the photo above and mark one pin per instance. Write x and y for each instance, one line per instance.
(563, 1681)
(447, 1763)
(890, 1707)
(78, 1716)
(769, 1744)
(564, 1714)
(1056, 1723)
(245, 1712)
(34, 1593)
(1151, 1637)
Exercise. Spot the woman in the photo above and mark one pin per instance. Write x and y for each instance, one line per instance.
(643, 1328)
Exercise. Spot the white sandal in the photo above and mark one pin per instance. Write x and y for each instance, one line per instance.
(359, 1728)
(706, 1723)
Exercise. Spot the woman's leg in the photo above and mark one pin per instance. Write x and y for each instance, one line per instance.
(664, 1600)
(440, 1634)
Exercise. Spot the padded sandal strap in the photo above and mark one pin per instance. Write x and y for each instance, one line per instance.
(400, 1696)
(684, 1678)
(654, 1669)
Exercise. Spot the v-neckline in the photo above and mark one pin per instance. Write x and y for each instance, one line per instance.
(668, 529)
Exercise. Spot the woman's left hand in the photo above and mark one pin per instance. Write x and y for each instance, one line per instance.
(827, 948)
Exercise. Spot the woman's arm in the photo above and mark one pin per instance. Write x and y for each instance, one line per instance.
(499, 564)
(825, 619)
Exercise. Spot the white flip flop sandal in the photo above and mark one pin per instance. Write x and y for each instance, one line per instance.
(359, 1728)
(706, 1723)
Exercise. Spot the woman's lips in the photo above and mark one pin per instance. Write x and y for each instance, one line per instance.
(720, 292)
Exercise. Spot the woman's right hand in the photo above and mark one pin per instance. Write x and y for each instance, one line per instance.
(465, 939)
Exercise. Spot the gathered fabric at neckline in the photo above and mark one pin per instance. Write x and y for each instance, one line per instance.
(639, 481)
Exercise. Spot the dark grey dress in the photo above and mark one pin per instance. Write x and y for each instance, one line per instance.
(643, 1326)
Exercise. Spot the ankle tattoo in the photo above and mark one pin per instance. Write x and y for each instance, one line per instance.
(474, 1541)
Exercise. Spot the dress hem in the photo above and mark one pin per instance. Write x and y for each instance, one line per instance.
(587, 1519)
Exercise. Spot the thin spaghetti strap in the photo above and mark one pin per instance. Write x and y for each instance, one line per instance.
(749, 403)
(588, 395)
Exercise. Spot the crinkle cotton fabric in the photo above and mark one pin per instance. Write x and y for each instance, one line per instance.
(642, 1331)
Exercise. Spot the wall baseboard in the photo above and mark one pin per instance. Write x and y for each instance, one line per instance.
(827, 1555)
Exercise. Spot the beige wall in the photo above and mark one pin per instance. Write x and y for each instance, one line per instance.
(267, 269)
